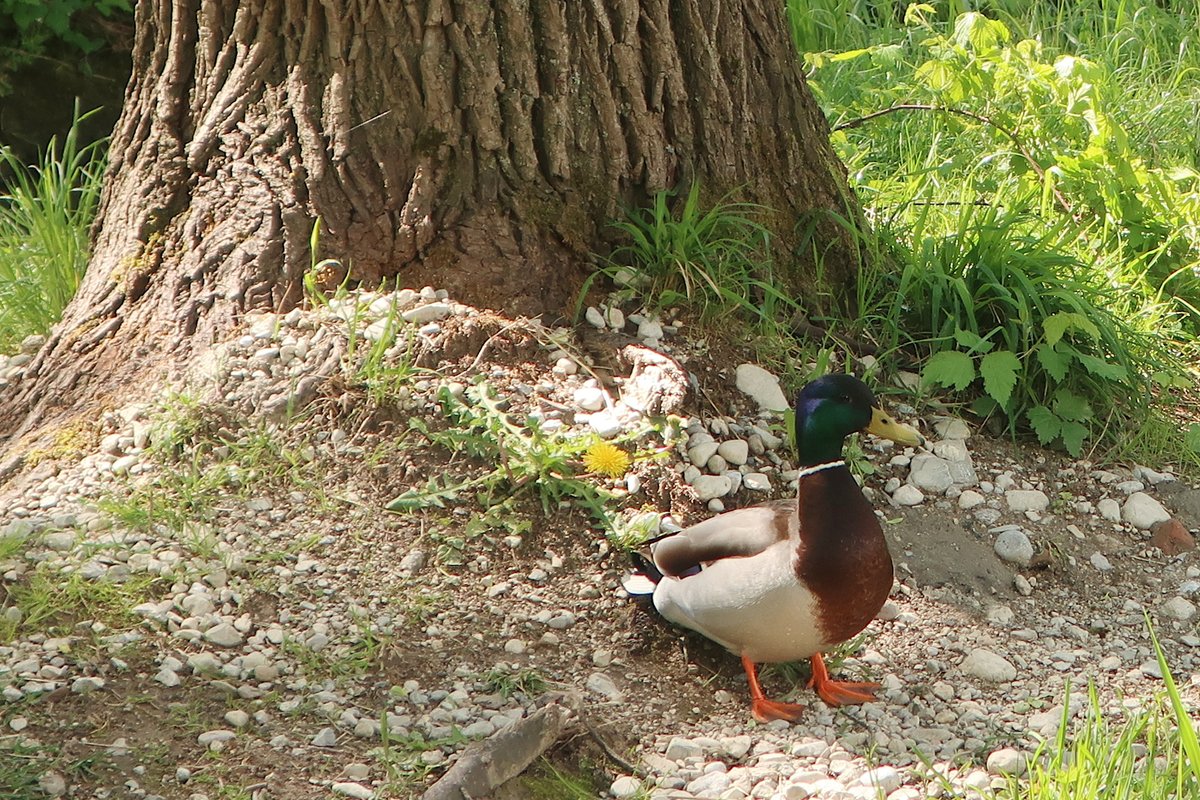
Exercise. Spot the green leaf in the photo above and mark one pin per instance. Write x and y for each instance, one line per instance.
(1073, 434)
(1071, 407)
(1192, 437)
(1101, 368)
(973, 342)
(949, 368)
(999, 371)
(1054, 362)
(1045, 424)
(1056, 325)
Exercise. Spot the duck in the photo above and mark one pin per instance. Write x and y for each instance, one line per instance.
(788, 579)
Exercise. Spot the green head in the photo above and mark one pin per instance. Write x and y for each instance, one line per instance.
(834, 406)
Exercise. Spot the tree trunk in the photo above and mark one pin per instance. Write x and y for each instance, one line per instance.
(476, 146)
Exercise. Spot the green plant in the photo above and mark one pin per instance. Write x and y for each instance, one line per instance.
(546, 781)
(34, 29)
(716, 259)
(51, 601)
(507, 682)
(45, 213)
(526, 459)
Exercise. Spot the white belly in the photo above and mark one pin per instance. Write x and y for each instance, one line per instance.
(752, 606)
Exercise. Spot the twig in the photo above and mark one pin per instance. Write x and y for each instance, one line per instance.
(971, 115)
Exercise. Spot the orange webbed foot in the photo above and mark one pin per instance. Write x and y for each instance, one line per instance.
(839, 693)
(762, 708)
(765, 710)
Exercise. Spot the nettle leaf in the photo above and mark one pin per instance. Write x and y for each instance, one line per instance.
(1192, 437)
(1101, 368)
(1053, 361)
(979, 32)
(1045, 424)
(1070, 407)
(973, 342)
(949, 368)
(999, 371)
(1058, 324)
(1073, 434)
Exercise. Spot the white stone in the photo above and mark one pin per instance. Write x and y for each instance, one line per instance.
(1142, 511)
(762, 387)
(167, 678)
(224, 635)
(735, 451)
(1109, 509)
(1179, 608)
(756, 482)
(427, 313)
(1007, 761)
(650, 328)
(970, 499)
(594, 317)
(908, 495)
(1026, 500)
(988, 666)
(708, 487)
(352, 789)
(1014, 547)
(52, 784)
(1100, 561)
(951, 428)
(603, 685)
(616, 318)
(625, 786)
(327, 737)
(885, 779)
(700, 453)
(605, 424)
(680, 749)
(930, 473)
(589, 398)
(215, 737)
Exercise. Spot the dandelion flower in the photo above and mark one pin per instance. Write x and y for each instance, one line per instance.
(606, 459)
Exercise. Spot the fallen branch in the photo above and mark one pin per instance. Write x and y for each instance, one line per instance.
(487, 764)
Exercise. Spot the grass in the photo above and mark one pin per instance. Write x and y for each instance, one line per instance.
(46, 210)
(1018, 165)
(52, 602)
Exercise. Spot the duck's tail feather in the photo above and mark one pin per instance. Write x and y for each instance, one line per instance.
(644, 578)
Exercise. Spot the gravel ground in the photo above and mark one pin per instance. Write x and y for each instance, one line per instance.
(207, 599)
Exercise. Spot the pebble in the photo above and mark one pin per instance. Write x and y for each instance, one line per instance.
(326, 737)
(594, 317)
(1171, 537)
(734, 451)
(708, 487)
(1179, 608)
(1019, 500)
(1007, 761)
(52, 784)
(930, 473)
(625, 786)
(756, 482)
(603, 685)
(1141, 511)
(762, 387)
(1100, 561)
(908, 495)
(989, 666)
(1109, 509)
(352, 789)
(1014, 547)
(224, 635)
(970, 499)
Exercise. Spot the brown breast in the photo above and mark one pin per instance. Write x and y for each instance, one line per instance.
(842, 557)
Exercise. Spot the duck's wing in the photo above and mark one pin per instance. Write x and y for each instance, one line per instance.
(734, 534)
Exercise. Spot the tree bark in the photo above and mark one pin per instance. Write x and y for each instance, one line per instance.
(476, 146)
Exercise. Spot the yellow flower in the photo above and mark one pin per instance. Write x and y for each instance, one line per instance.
(607, 459)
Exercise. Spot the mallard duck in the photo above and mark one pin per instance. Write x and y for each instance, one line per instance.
(788, 579)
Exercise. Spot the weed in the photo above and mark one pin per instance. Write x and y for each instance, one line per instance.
(44, 220)
(546, 781)
(507, 682)
(715, 259)
(527, 458)
(51, 601)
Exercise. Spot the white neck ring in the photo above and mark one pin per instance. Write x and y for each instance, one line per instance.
(804, 473)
